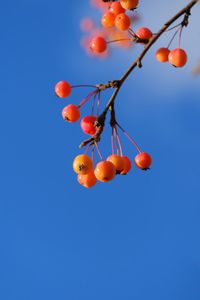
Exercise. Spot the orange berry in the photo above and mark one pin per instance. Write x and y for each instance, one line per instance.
(117, 161)
(116, 8)
(82, 164)
(98, 44)
(62, 89)
(143, 160)
(127, 165)
(162, 54)
(129, 4)
(87, 180)
(178, 57)
(105, 171)
(108, 19)
(144, 33)
(71, 113)
(122, 21)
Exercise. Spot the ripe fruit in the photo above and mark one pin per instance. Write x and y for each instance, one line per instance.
(82, 164)
(71, 113)
(98, 45)
(105, 171)
(87, 180)
(143, 160)
(122, 21)
(117, 161)
(108, 19)
(144, 33)
(129, 4)
(87, 125)
(162, 54)
(127, 165)
(178, 57)
(116, 8)
(62, 89)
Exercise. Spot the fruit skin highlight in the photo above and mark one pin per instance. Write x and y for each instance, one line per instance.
(143, 160)
(162, 54)
(71, 113)
(104, 171)
(108, 19)
(82, 164)
(62, 89)
(177, 57)
(87, 125)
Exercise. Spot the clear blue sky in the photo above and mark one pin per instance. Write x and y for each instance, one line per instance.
(134, 238)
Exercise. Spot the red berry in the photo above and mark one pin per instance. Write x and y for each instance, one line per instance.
(117, 161)
(162, 54)
(87, 125)
(105, 171)
(116, 8)
(82, 164)
(143, 160)
(71, 113)
(144, 33)
(108, 19)
(178, 57)
(87, 180)
(63, 89)
(122, 21)
(129, 4)
(98, 45)
(127, 165)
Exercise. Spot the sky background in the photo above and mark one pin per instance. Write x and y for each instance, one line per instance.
(136, 237)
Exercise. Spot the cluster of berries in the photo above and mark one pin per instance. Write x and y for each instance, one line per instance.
(116, 163)
(114, 24)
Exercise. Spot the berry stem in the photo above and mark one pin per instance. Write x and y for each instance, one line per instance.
(87, 98)
(98, 151)
(130, 138)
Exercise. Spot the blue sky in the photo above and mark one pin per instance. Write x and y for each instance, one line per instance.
(134, 238)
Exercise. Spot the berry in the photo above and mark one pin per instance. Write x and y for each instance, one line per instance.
(162, 54)
(143, 160)
(144, 33)
(108, 19)
(178, 57)
(122, 21)
(127, 165)
(62, 89)
(71, 113)
(117, 161)
(105, 171)
(98, 45)
(116, 8)
(87, 125)
(87, 180)
(129, 4)
(82, 164)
